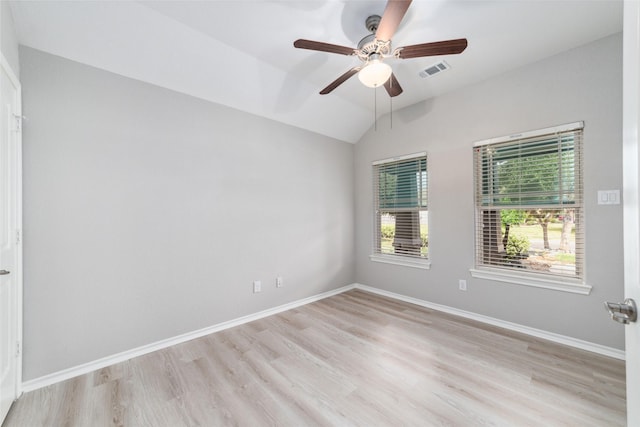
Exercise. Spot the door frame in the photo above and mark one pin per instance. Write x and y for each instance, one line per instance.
(6, 67)
(631, 196)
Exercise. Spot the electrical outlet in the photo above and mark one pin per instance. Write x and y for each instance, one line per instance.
(462, 285)
(257, 286)
(279, 282)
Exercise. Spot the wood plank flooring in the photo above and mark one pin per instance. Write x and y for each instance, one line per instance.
(355, 359)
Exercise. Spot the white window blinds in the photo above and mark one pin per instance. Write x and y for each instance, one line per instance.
(400, 200)
(529, 203)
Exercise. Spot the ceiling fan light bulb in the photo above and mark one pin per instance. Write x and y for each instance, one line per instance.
(375, 73)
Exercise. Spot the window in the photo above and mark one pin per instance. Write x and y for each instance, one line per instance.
(529, 208)
(400, 204)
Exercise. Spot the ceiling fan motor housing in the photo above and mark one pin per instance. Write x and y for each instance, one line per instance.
(369, 45)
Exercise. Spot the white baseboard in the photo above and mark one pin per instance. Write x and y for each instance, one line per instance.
(75, 371)
(550, 336)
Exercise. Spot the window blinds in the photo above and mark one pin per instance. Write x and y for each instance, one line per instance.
(536, 171)
(400, 199)
(533, 181)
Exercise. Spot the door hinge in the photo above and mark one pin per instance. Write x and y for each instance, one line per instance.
(18, 237)
(18, 348)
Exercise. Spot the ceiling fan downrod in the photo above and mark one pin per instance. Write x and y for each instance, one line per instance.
(372, 22)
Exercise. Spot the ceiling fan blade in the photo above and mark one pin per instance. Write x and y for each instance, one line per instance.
(447, 47)
(392, 86)
(391, 18)
(323, 47)
(337, 82)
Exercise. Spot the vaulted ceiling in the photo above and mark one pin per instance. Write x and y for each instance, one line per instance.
(240, 53)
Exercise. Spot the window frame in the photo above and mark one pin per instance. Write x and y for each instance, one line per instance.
(397, 259)
(573, 284)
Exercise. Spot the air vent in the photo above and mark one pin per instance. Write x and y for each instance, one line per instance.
(434, 69)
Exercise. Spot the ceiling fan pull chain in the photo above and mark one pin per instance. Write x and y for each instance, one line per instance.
(391, 111)
(375, 109)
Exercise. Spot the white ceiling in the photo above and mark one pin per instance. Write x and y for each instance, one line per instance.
(240, 53)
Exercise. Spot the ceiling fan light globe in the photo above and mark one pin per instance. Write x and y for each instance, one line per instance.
(375, 73)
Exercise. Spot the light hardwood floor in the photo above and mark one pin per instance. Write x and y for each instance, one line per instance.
(351, 359)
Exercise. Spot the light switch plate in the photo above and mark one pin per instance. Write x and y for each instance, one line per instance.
(608, 197)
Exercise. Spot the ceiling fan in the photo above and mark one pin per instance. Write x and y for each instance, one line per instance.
(374, 48)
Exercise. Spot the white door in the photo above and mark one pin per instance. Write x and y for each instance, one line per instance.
(10, 256)
(631, 153)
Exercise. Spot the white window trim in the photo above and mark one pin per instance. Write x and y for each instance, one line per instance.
(424, 264)
(575, 286)
(421, 263)
(398, 158)
(539, 132)
(571, 285)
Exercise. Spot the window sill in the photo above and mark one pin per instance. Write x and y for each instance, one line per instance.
(424, 264)
(575, 286)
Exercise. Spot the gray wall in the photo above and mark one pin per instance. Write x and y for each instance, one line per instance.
(582, 84)
(148, 213)
(8, 38)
